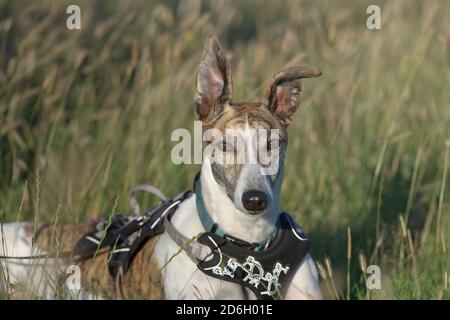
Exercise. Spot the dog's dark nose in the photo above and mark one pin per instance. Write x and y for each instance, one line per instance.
(254, 201)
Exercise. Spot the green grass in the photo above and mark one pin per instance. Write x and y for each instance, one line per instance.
(84, 115)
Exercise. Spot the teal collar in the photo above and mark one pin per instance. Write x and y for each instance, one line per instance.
(209, 224)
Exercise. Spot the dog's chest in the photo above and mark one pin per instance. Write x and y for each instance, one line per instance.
(182, 278)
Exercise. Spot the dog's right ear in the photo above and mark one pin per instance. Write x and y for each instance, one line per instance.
(213, 80)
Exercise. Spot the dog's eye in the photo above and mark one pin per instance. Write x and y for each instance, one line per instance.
(225, 146)
(273, 143)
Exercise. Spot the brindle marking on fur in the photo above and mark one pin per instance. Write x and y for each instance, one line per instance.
(235, 116)
(143, 279)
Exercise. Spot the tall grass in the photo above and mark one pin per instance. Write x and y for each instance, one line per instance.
(86, 114)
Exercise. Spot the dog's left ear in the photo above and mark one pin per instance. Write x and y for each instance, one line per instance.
(213, 80)
(283, 93)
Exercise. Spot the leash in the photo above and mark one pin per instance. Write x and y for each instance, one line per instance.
(63, 254)
(38, 256)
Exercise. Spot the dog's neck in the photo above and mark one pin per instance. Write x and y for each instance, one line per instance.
(251, 228)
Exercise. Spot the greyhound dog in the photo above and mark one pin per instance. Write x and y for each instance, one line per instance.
(243, 199)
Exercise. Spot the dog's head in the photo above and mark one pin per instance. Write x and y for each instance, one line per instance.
(246, 141)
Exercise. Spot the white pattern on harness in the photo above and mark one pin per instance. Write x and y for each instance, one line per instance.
(254, 278)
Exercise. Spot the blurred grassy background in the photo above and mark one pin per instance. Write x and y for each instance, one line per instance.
(86, 114)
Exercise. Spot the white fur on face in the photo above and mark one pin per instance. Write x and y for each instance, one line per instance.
(242, 153)
(230, 214)
(252, 174)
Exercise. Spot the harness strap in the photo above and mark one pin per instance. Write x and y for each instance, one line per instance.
(140, 231)
(143, 187)
(191, 246)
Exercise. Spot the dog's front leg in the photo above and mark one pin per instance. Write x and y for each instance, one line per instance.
(305, 282)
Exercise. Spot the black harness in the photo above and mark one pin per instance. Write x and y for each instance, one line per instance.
(265, 272)
(125, 235)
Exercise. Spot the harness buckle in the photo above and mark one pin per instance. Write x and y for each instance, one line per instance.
(241, 243)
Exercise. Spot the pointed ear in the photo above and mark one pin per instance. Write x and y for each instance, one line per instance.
(213, 80)
(283, 93)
